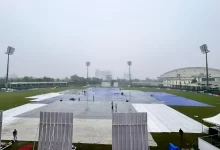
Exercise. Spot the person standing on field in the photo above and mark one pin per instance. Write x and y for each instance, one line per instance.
(181, 133)
(112, 106)
(15, 133)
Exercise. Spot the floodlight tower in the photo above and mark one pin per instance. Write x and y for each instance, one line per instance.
(88, 64)
(10, 51)
(1, 118)
(129, 65)
(204, 50)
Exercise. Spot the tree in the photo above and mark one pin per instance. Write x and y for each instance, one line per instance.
(27, 79)
(72, 79)
(66, 79)
(123, 81)
(136, 80)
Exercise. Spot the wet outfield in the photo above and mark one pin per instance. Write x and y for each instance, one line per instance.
(94, 103)
(82, 109)
(92, 117)
(105, 95)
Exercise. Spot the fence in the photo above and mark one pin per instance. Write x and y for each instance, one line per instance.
(213, 140)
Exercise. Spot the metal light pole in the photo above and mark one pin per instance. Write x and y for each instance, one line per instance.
(88, 64)
(204, 50)
(1, 118)
(129, 65)
(10, 51)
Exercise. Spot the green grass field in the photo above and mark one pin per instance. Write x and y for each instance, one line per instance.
(191, 111)
(10, 100)
(163, 139)
(79, 146)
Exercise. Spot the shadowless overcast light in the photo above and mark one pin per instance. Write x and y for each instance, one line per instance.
(55, 38)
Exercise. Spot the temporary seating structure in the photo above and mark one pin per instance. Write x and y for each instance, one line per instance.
(55, 131)
(129, 131)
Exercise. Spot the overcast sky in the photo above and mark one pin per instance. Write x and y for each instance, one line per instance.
(56, 37)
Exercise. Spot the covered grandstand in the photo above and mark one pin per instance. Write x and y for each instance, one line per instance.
(191, 77)
(148, 83)
(28, 85)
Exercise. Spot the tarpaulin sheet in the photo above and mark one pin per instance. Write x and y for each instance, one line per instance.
(174, 100)
(162, 118)
(103, 91)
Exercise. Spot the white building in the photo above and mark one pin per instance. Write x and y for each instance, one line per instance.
(148, 83)
(35, 84)
(104, 75)
(184, 77)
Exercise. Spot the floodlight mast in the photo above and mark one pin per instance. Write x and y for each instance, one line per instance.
(10, 51)
(88, 64)
(129, 65)
(204, 50)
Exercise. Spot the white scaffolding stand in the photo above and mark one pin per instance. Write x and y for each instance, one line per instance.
(55, 131)
(129, 131)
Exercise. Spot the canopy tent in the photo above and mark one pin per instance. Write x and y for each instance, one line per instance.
(213, 120)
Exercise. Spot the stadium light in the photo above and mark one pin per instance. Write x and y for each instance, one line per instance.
(88, 64)
(204, 50)
(1, 118)
(10, 51)
(129, 65)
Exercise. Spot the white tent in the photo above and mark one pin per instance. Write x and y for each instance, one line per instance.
(213, 120)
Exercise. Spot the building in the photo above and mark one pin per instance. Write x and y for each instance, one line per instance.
(23, 85)
(191, 76)
(104, 75)
(148, 83)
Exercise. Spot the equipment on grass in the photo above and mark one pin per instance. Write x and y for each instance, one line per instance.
(72, 99)
(173, 147)
(5, 145)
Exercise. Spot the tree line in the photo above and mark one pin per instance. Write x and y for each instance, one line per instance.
(74, 80)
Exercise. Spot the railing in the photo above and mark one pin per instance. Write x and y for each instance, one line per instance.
(213, 140)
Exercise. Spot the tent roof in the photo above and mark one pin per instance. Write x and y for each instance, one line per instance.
(213, 120)
(193, 84)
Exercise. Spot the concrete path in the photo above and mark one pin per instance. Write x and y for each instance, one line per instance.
(84, 130)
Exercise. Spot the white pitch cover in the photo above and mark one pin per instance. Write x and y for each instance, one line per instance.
(162, 118)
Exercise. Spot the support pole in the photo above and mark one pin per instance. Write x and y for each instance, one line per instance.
(130, 75)
(7, 73)
(207, 72)
(87, 75)
(1, 118)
